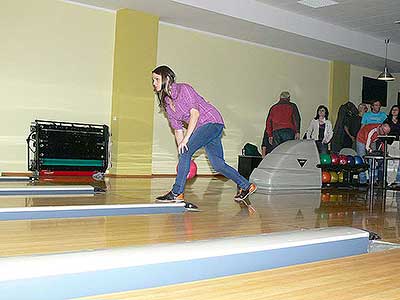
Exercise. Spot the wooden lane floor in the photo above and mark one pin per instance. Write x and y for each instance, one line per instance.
(220, 216)
(363, 277)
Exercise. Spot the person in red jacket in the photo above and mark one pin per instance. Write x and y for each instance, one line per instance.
(366, 139)
(283, 121)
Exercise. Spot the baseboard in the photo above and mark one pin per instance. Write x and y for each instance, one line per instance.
(118, 175)
(16, 174)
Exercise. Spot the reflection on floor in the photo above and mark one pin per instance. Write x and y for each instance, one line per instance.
(220, 217)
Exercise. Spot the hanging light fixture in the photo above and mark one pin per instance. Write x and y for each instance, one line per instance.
(385, 75)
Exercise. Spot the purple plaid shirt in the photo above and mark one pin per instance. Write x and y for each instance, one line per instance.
(185, 98)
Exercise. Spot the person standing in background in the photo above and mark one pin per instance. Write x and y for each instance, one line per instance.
(283, 121)
(394, 123)
(320, 129)
(346, 110)
(352, 125)
(393, 120)
(375, 116)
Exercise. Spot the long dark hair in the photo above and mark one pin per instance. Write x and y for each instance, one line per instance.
(390, 116)
(168, 78)
(326, 112)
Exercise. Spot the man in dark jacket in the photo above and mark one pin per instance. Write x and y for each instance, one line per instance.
(283, 121)
(344, 113)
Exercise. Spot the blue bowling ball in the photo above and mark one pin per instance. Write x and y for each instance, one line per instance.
(358, 160)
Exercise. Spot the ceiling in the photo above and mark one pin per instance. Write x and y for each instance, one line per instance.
(352, 31)
(372, 17)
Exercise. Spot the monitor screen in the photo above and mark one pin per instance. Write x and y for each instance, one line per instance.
(374, 89)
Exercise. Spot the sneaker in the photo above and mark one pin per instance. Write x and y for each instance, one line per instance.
(170, 197)
(243, 194)
(191, 207)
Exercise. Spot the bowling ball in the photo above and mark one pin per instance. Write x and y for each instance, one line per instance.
(335, 159)
(358, 160)
(334, 177)
(341, 177)
(342, 159)
(325, 159)
(350, 160)
(333, 198)
(192, 171)
(325, 197)
(326, 177)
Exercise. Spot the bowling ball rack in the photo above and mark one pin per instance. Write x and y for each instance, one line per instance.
(348, 173)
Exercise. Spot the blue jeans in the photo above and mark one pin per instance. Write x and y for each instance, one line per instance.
(361, 151)
(282, 135)
(362, 177)
(209, 137)
(322, 148)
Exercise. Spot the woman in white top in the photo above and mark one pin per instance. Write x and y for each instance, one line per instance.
(320, 129)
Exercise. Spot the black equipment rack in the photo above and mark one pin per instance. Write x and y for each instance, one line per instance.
(66, 146)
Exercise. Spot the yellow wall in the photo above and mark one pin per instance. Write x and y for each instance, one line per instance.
(132, 108)
(56, 64)
(339, 87)
(243, 80)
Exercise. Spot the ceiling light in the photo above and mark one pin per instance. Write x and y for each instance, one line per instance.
(317, 3)
(385, 75)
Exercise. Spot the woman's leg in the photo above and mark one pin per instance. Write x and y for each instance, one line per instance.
(319, 146)
(200, 137)
(324, 148)
(215, 154)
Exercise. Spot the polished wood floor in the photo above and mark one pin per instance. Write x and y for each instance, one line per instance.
(363, 277)
(372, 276)
(220, 216)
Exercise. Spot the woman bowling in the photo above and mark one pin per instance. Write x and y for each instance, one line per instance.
(320, 129)
(204, 123)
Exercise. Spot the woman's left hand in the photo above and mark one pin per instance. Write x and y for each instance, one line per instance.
(182, 147)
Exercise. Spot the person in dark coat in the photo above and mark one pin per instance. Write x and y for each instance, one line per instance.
(345, 111)
(352, 125)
